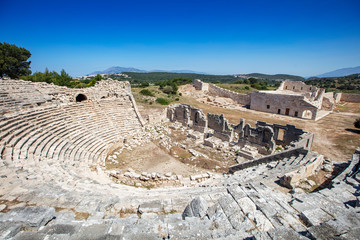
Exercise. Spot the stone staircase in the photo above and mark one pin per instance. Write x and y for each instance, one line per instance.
(250, 210)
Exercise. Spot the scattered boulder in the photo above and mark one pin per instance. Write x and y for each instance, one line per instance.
(196, 208)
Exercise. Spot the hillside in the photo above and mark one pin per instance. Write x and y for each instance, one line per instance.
(113, 70)
(350, 83)
(341, 72)
(275, 76)
(153, 77)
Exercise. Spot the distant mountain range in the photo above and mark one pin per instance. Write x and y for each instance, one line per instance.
(340, 72)
(113, 70)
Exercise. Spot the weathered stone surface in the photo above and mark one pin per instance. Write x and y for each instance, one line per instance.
(8, 230)
(92, 232)
(153, 206)
(29, 216)
(29, 236)
(316, 216)
(246, 205)
(283, 233)
(66, 229)
(196, 208)
(324, 232)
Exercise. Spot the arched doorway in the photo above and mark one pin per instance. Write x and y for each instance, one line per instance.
(81, 97)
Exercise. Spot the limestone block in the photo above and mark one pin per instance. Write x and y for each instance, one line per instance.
(8, 230)
(315, 216)
(196, 208)
(64, 228)
(91, 231)
(246, 205)
(29, 216)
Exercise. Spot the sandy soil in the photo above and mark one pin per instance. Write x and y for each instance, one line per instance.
(151, 158)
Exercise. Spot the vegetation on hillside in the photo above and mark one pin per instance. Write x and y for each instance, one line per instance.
(162, 92)
(349, 83)
(249, 85)
(62, 79)
(152, 77)
(14, 61)
(275, 76)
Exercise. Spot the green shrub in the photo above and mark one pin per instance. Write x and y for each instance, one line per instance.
(163, 101)
(144, 84)
(146, 92)
(167, 89)
(247, 88)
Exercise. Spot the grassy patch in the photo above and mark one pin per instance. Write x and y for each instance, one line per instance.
(146, 92)
(240, 88)
(163, 101)
(147, 97)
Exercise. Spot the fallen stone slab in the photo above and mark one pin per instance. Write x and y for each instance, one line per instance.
(29, 216)
(196, 208)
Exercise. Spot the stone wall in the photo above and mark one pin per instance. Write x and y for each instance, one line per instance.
(243, 99)
(267, 135)
(284, 104)
(199, 85)
(264, 134)
(188, 116)
(220, 126)
(337, 97)
(267, 159)
(350, 97)
(297, 86)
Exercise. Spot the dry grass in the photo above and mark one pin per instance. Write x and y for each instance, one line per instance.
(240, 88)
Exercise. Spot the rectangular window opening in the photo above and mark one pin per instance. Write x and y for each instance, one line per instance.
(296, 114)
(268, 106)
(281, 134)
(279, 111)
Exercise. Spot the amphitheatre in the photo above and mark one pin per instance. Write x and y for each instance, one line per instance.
(92, 164)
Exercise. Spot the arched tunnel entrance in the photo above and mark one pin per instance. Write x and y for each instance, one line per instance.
(81, 97)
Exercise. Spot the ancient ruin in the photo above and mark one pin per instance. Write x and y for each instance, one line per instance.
(56, 143)
(292, 98)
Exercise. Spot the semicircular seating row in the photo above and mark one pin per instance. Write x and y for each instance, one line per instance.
(79, 133)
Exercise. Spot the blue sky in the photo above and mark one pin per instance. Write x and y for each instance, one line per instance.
(219, 37)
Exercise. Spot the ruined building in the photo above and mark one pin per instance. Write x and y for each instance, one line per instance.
(292, 98)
